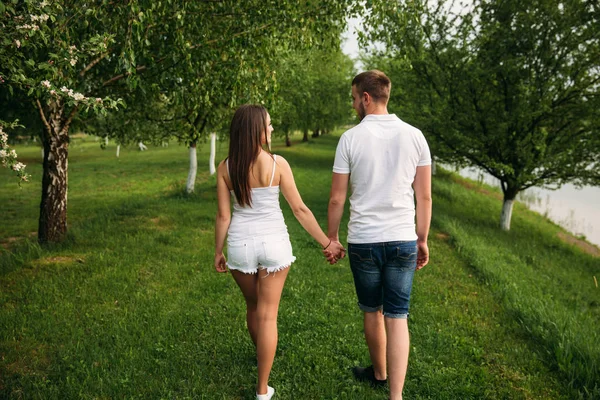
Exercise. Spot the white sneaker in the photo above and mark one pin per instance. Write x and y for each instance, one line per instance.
(267, 396)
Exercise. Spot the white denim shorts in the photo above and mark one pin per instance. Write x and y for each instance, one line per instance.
(270, 252)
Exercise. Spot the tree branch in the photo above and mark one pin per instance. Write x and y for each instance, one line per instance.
(93, 63)
(44, 120)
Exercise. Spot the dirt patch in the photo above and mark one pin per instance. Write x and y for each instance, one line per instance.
(442, 236)
(582, 244)
(61, 260)
(8, 242)
(160, 223)
(474, 186)
(31, 359)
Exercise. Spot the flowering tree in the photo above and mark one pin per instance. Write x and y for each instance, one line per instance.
(70, 59)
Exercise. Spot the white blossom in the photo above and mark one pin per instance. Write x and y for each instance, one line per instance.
(73, 61)
(44, 4)
(98, 100)
(18, 43)
(78, 96)
(44, 17)
(3, 137)
(3, 154)
(18, 166)
(46, 84)
(64, 89)
(53, 92)
(13, 154)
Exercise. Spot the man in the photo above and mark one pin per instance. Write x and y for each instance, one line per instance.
(388, 164)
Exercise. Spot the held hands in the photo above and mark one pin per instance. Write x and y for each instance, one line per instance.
(334, 252)
(220, 263)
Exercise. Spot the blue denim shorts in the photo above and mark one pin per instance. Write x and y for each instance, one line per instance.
(383, 276)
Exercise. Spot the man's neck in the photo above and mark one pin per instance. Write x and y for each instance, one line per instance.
(377, 109)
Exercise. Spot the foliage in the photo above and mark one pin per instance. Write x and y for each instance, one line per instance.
(511, 87)
(314, 89)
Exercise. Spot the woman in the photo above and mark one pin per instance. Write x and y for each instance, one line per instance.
(258, 246)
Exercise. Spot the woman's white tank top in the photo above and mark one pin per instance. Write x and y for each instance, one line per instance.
(263, 217)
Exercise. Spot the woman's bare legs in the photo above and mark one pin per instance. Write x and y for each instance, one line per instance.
(270, 286)
(248, 284)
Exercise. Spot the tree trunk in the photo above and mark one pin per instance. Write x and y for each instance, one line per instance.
(106, 141)
(142, 146)
(506, 215)
(305, 137)
(288, 142)
(118, 150)
(53, 206)
(433, 166)
(315, 133)
(213, 153)
(510, 193)
(191, 180)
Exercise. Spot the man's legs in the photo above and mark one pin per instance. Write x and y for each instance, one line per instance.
(375, 335)
(365, 261)
(398, 273)
(398, 346)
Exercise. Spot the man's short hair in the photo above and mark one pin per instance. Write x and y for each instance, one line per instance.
(374, 82)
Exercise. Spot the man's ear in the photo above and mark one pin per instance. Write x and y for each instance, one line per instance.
(367, 98)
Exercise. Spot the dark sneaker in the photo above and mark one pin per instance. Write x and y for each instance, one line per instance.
(368, 375)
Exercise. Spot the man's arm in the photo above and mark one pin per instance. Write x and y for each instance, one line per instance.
(422, 187)
(337, 199)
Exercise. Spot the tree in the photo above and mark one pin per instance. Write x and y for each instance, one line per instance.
(314, 91)
(511, 87)
(70, 59)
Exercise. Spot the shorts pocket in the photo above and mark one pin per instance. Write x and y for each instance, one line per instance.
(237, 253)
(361, 254)
(406, 255)
(278, 251)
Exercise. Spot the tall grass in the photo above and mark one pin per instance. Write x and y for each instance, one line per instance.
(544, 283)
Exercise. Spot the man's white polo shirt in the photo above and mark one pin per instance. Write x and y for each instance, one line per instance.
(381, 154)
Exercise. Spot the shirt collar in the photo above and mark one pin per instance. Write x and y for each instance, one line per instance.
(380, 117)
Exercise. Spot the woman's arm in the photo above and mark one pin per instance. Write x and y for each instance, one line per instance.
(300, 210)
(223, 217)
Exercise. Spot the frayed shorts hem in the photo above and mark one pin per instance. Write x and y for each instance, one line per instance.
(254, 270)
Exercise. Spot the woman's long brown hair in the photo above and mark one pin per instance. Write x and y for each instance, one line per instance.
(247, 128)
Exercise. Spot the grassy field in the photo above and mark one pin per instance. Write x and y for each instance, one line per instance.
(130, 306)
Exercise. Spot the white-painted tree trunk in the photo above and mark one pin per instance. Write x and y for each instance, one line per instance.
(118, 150)
(433, 166)
(191, 180)
(506, 215)
(105, 141)
(213, 153)
(165, 144)
(142, 146)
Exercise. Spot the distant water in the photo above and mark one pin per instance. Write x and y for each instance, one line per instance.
(576, 210)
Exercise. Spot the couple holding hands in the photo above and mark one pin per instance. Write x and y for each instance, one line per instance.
(387, 165)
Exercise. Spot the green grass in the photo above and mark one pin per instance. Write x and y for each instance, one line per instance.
(130, 306)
